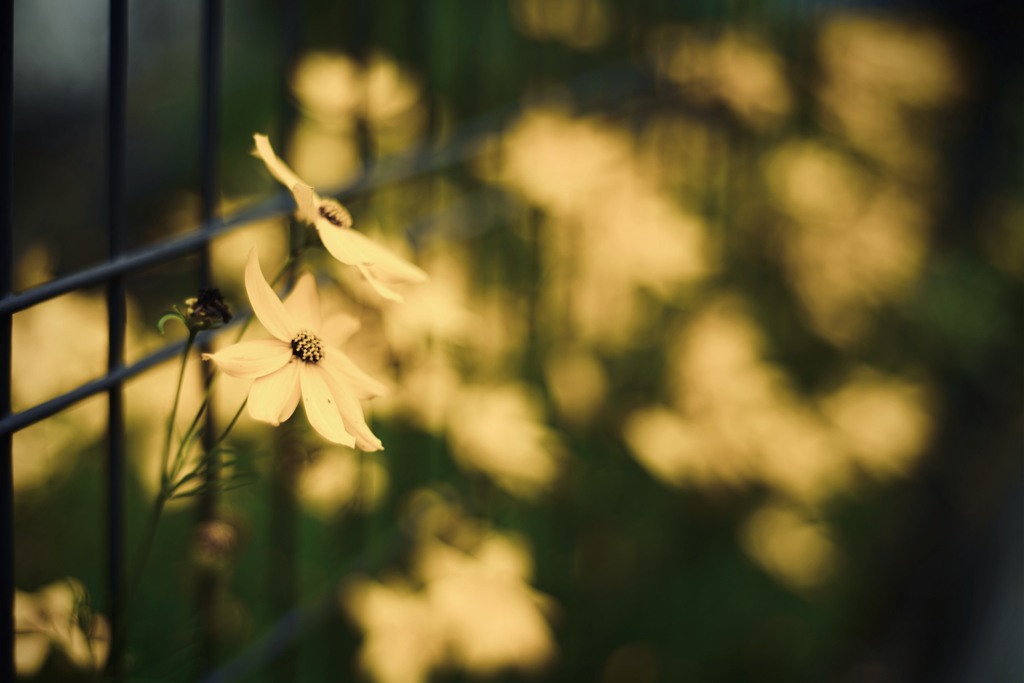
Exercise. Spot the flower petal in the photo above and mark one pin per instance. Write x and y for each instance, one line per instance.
(321, 407)
(345, 372)
(277, 168)
(351, 413)
(307, 200)
(379, 286)
(341, 243)
(252, 358)
(386, 264)
(303, 304)
(265, 303)
(337, 329)
(273, 397)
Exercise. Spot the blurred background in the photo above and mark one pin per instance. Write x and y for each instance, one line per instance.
(717, 376)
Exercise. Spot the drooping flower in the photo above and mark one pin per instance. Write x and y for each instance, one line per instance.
(298, 363)
(334, 223)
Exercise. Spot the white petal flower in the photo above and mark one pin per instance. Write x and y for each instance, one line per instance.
(334, 223)
(297, 364)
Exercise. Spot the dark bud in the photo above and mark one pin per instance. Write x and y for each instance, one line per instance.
(209, 309)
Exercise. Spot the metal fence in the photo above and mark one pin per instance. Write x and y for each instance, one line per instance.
(113, 273)
(595, 90)
(119, 264)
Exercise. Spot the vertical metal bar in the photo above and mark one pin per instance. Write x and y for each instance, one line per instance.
(6, 264)
(117, 220)
(290, 31)
(361, 23)
(283, 527)
(213, 32)
(212, 44)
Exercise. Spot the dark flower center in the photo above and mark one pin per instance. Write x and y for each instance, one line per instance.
(307, 347)
(335, 213)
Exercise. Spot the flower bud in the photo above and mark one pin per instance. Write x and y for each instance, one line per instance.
(208, 309)
(204, 312)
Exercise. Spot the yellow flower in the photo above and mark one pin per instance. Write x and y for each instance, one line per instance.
(297, 363)
(334, 223)
(54, 617)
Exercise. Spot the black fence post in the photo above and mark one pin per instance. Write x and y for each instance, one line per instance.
(6, 278)
(117, 219)
(209, 188)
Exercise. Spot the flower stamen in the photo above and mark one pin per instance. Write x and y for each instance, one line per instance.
(335, 213)
(307, 347)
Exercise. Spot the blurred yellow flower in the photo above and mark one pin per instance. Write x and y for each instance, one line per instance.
(885, 423)
(438, 312)
(329, 88)
(736, 69)
(338, 478)
(55, 616)
(492, 619)
(475, 611)
(737, 420)
(578, 385)
(796, 551)
(853, 243)
(428, 389)
(334, 223)
(584, 25)
(499, 431)
(298, 363)
(881, 79)
(611, 231)
(402, 644)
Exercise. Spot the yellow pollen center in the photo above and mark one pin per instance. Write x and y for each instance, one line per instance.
(307, 347)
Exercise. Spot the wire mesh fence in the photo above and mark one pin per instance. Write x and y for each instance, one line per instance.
(594, 92)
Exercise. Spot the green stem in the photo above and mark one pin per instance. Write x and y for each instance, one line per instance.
(231, 424)
(179, 460)
(174, 411)
(195, 422)
(213, 447)
(147, 544)
(166, 478)
(213, 378)
(136, 578)
(161, 498)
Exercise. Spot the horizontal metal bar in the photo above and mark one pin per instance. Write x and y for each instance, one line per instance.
(146, 257)
(619, 82)
(385, 172)
(16, 421)
(194, 241)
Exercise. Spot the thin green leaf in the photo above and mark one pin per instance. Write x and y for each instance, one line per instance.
(234, 482)
(169, 316)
